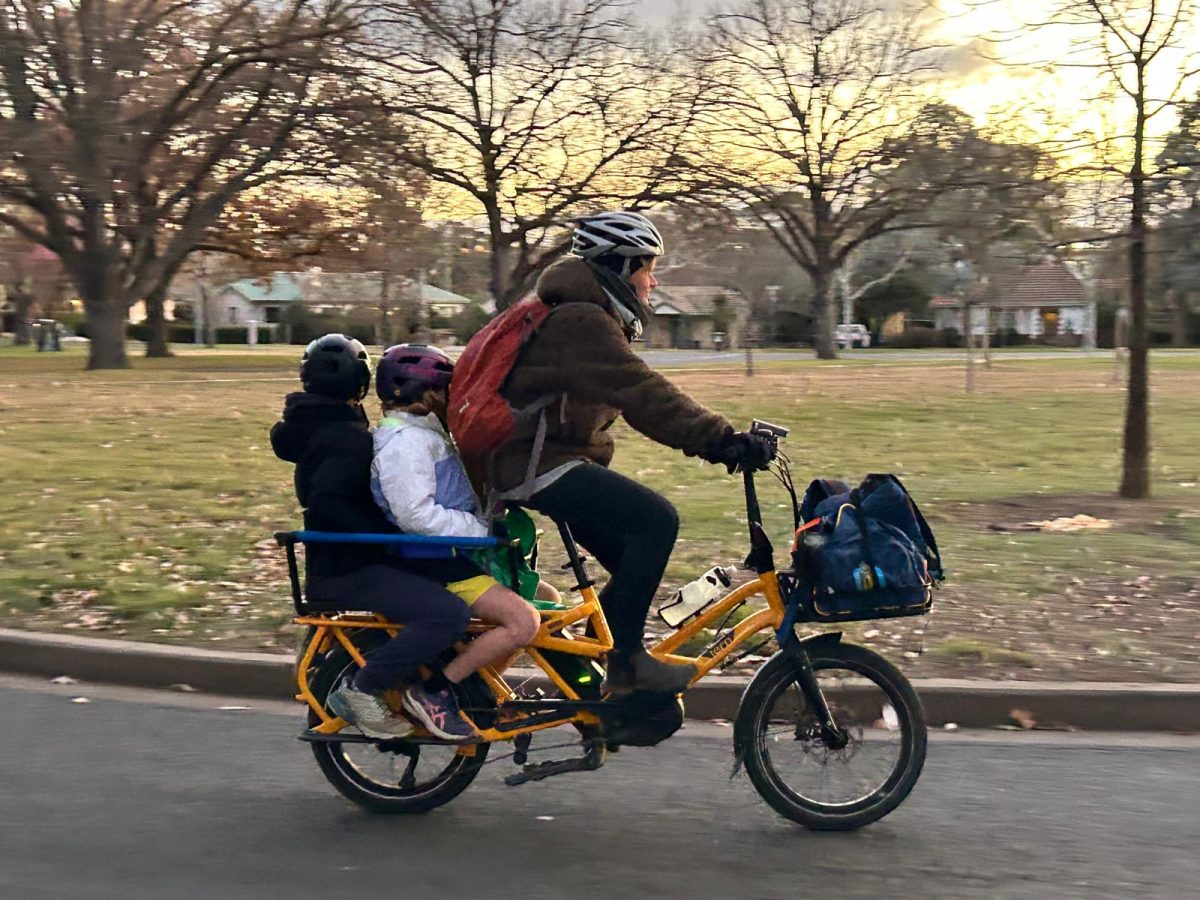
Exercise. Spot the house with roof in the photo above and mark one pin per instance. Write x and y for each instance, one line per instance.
(1044, 302)
(265, 300)
(697, 317)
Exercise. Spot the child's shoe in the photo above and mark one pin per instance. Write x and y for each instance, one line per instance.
(369, 713)
(438, 711)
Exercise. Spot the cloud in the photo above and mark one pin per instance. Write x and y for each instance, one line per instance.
(967, 59)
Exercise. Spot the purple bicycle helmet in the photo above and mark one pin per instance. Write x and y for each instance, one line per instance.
(407, 371)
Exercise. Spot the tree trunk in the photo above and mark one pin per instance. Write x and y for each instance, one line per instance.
(384, 338)
(499, 282)
(969, 347)
(1135, 474)
(106, 330)
(207, 313)
(986, 343)
(157, 342)
(22, 302)
(823, 316)
(1179, 317)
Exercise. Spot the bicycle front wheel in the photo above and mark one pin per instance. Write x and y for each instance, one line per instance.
(833, 784)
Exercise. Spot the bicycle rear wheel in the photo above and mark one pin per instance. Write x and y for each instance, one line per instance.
(388, 778)
(809, 778)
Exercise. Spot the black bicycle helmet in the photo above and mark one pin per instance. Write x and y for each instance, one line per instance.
(336, 366)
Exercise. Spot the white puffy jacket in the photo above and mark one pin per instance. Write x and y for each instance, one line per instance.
(419, 481)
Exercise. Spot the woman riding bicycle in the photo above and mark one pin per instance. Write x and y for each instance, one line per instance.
(582, 357)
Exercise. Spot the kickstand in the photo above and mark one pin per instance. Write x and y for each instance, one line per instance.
(592, 759)
(408, 781)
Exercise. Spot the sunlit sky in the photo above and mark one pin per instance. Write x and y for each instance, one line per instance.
(1047, 104)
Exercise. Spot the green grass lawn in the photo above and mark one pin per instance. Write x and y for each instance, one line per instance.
(141, 502)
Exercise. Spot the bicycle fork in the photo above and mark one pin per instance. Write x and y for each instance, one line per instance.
(831, 735)
(796, 652)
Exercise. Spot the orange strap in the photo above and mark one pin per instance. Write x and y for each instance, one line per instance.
(811, 523)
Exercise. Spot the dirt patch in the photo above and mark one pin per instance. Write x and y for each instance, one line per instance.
(1018, 514)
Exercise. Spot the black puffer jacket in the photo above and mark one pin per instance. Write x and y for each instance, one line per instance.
(330, 443)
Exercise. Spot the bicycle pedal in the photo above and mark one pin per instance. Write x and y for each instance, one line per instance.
(590, 761)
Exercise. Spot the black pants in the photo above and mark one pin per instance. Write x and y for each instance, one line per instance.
(628, 528)
(433, 618)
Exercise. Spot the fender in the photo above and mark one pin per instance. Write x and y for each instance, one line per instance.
(741, 724)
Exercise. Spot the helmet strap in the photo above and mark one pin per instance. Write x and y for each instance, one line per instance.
(624, 301)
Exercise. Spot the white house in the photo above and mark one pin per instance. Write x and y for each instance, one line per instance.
(688, 316)
(265, 299)
(1045, 301)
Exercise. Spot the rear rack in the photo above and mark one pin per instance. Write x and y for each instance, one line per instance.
(407, 546)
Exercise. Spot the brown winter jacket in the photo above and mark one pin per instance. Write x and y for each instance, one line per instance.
(581, 355)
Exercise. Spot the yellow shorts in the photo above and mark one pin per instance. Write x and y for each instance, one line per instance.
(471, 589)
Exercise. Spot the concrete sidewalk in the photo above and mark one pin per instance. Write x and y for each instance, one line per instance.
(966, 703)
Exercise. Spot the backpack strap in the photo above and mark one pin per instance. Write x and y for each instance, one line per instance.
(926, 534)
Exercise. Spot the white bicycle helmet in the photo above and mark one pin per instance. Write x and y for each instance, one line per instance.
(626, 234)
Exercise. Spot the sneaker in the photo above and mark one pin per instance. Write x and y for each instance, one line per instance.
(639, 671)
(438, 711)
(369, 713)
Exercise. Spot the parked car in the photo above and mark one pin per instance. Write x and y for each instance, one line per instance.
(852, 336)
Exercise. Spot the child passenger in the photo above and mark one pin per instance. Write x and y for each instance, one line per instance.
(325, 432)
(423, 488)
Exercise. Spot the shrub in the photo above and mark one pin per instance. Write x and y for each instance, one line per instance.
(74, 322)
(949, 337)
(305, 325)
(1009, 337)
(177, 332)
(915, 339)
(468, 322)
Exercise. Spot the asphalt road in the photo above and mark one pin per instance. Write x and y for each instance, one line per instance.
(136, 794)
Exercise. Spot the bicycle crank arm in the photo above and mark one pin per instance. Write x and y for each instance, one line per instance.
(592, 759)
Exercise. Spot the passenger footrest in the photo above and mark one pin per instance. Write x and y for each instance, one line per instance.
(593, 758)
(315, 737)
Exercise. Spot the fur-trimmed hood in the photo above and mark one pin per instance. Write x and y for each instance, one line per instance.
(574, 280)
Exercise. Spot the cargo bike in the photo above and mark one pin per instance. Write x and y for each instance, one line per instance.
(831, 734)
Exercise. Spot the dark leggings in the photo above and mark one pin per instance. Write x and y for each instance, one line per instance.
(630, 530)
(433, 618)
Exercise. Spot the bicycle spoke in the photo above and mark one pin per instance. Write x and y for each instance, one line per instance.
(801, 756)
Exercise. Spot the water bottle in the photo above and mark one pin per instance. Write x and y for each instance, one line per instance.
(693, 597)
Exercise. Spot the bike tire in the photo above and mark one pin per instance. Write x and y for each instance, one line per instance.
(774, 680)
(337, 765)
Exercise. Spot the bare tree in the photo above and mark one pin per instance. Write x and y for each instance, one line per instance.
(1132, 48)
(127, 126)
(811, 95)
(526, 113)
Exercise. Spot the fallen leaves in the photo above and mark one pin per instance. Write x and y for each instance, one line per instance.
(1024, 718)
(1079, 522)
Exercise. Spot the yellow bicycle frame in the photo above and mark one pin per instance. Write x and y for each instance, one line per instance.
(331, 629)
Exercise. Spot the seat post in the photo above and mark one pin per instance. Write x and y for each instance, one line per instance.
(574, 560)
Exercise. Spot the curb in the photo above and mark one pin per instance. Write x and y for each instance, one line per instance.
(1107, 706)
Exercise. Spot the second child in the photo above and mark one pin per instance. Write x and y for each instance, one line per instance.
(420, 483)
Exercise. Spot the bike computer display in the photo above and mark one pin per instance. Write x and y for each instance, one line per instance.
(766, 428)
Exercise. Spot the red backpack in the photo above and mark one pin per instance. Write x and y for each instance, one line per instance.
(479, 418)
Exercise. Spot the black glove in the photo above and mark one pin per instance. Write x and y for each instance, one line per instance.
(745, 452)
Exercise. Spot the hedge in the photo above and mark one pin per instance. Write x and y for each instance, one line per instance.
(185, 333)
